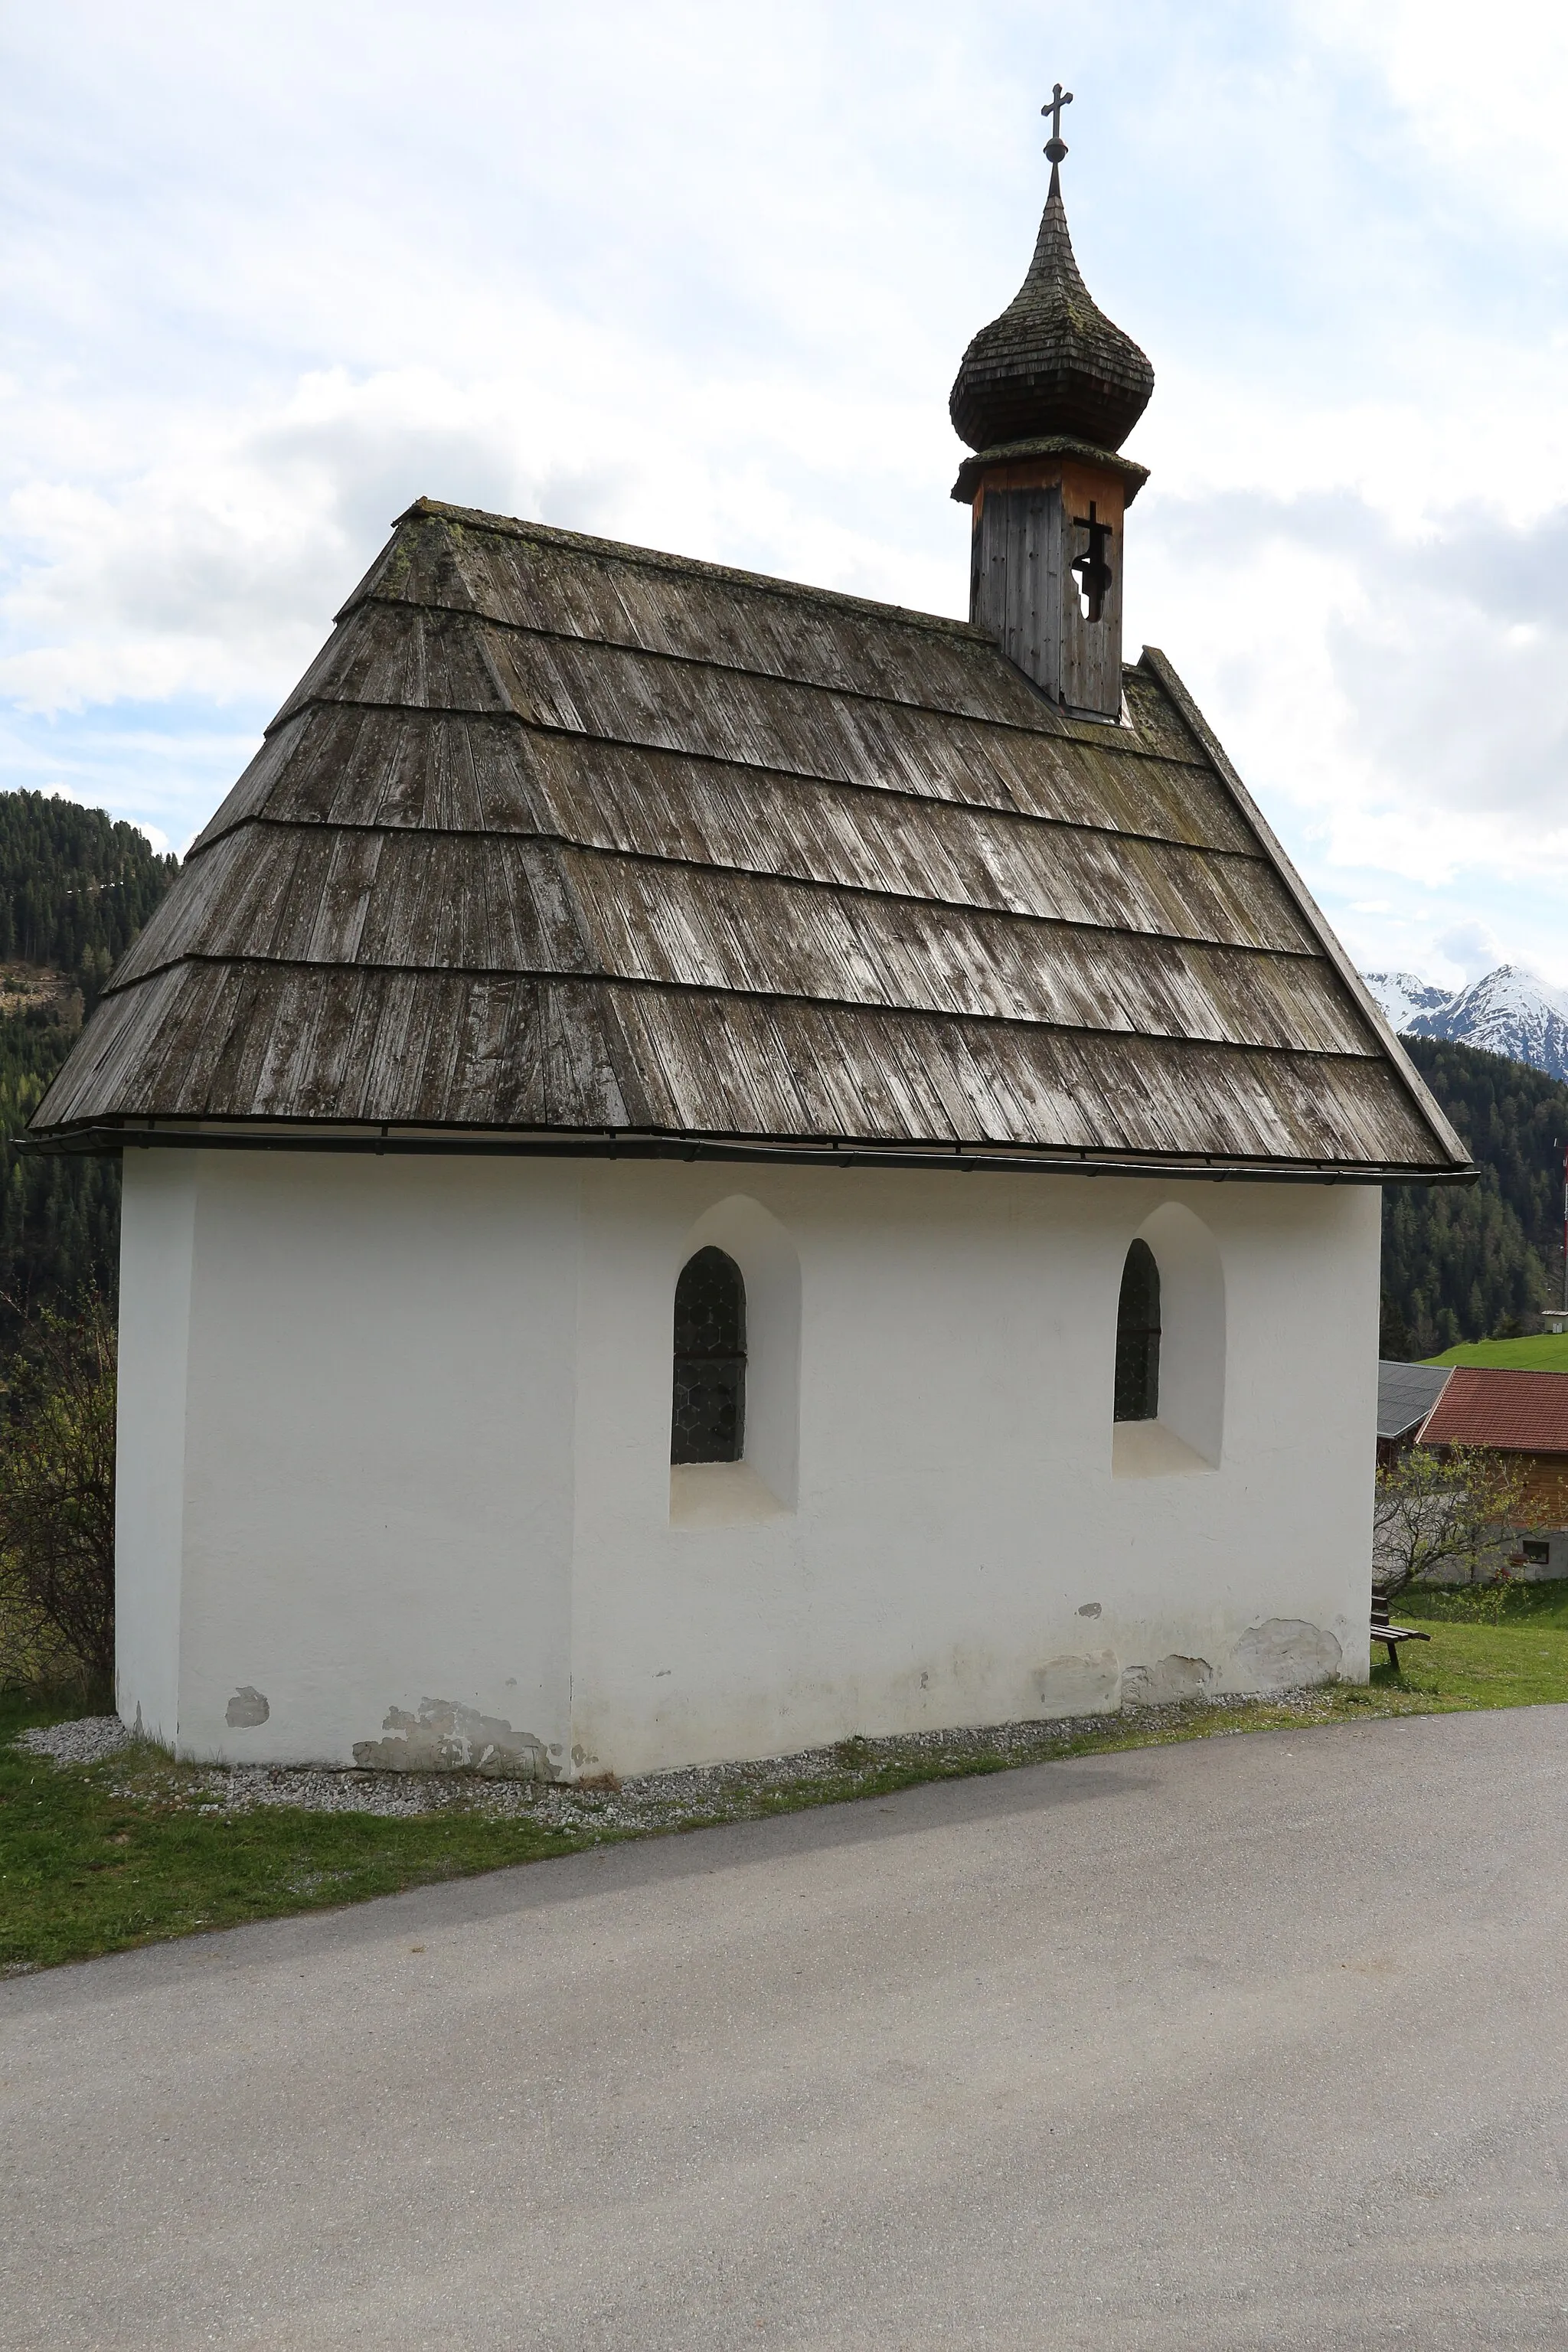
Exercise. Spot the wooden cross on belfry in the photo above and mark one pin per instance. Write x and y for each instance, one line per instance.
(1095, 575)
(1055, 145)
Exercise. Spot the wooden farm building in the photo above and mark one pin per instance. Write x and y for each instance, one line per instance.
(1525, 1416)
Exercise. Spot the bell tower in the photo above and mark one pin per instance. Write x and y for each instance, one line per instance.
(1045, 396)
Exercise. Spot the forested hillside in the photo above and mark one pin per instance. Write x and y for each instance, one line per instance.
(1466, 1263)
(75, 888)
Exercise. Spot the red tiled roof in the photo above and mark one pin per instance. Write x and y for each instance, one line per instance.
(1520, 1413)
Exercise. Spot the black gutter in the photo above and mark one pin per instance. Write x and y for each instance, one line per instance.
(617, 1144)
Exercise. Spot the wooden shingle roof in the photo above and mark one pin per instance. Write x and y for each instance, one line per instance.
(565, 845)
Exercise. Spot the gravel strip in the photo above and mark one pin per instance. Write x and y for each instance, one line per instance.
(88, 1740)
(653, 1801)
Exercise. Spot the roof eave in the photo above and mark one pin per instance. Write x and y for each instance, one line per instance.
(108, 1135)
(1049, 444)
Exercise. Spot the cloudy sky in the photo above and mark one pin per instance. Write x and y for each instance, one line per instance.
(699, 275)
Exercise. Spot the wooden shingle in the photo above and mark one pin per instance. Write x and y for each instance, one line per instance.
(563, 845)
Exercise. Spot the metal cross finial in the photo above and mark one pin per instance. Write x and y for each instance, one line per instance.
(1055, 145)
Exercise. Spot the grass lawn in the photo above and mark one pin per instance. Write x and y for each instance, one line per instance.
(96, 1858)
(1479, 1657)
(1545, 1353)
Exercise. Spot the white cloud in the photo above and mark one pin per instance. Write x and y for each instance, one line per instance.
(221, 565)
(701, 277)
(1472, 948)
(1480, 92)
(1406, 693)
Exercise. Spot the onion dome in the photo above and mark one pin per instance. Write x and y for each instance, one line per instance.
(1052, 363)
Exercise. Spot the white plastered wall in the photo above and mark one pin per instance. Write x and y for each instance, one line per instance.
(960, 1548)
(423, 1505)
(156, 1257)
(371, 1539)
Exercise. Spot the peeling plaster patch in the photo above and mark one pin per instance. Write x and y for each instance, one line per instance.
(1078, 1685)
(1174, 1678)
(1284, 1653)
(445, 1738)
(246, 1709)
(1089, 1608)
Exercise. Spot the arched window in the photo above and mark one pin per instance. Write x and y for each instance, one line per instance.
(1137, 1337)
(709, 1420)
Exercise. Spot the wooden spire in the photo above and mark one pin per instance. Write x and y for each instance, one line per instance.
(1053, 362)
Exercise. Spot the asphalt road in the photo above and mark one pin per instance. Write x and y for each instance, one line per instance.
(1257, 2041)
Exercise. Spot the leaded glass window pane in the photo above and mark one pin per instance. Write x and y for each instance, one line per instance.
(1137, 1337)
(709, 1420)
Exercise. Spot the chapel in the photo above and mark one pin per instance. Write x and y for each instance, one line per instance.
(711, 1165)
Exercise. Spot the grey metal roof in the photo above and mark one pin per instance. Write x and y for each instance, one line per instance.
(560, 839)
(1407, 1395)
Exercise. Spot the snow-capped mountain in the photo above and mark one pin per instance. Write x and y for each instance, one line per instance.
(1403, 996)
(1508, 1011)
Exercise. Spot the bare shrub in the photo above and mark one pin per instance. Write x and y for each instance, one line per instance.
(1435, 1510)
(57, 1499)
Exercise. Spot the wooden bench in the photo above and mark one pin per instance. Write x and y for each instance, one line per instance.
(1391, 1636)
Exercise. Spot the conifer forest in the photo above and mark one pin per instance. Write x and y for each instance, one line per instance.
(1478, 1261)
(76, 886)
